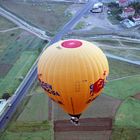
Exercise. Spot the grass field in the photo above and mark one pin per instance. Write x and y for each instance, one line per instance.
(128, 114)
(48, 16)
(37, 107)
(118, 42)
(29, 131)
(122, 52)
(80, 25)
(125, 134)
(20, 68)
(5, 24)
(127, 121)
(31, 121)
(17, 42)
(18, 51)
(107, 42)
(6, 43)
(123, 88)
(120, 69)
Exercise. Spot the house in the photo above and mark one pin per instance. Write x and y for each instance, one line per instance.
(127, 23)
(127, 12)
(123, 3)
(136, 20)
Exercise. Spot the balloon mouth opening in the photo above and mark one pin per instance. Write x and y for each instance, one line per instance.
(71, 43)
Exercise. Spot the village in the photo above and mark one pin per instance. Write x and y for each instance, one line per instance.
(126, 12)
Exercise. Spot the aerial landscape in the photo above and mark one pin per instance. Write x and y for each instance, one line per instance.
(28, 28)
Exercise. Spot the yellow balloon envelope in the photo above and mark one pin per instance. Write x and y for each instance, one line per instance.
(73, 73)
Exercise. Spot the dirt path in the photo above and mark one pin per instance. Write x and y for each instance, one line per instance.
(86, 124)
(137, 96)
(10, 29)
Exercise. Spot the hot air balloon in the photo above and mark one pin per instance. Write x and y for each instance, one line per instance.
(73, 73)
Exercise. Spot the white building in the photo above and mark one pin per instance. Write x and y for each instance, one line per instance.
(136, 20)
(3, 105)
(128, 23)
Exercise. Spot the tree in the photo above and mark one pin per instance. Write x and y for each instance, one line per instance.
(6, 96)
(136, 6)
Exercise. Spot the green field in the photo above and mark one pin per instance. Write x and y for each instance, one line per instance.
(31, 119)
(127, 121)
(17, 42)
(7, 39)
(49, 16)
(37, 107)
(125, 134)
(123, 88)
(29, 131)
(118, 42)
(128, 114)
(80, 25)
(122, 52)
(18, 51)
(107, 42)
(120, 69)
(5, 24)
(19, 70)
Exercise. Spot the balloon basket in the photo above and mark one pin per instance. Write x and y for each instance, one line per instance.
(75, 121)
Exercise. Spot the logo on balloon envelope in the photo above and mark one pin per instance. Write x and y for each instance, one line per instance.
(96, 88)
(48, 88)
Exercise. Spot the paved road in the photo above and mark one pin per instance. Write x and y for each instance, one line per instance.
(115, 37)
(122, 59)
(7, 30)
(32, 75)
(24, 25)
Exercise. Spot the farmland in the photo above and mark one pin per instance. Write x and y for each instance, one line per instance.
(18, 51)
(5, 24)
(31, 118)
(48, 16)
(30, 131)
(17, 72)
(37, 107)
(117, 103)
(128, 86)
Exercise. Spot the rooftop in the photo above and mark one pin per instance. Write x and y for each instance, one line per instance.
(122, 1)
(129, 9)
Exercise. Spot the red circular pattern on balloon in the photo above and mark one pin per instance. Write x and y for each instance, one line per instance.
(71, 44)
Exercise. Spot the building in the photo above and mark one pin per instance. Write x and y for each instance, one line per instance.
(123, 3)
(127, 23)
(97, 8)
(3, 106)
(136, 20)
(127, 12)
(80, 1)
